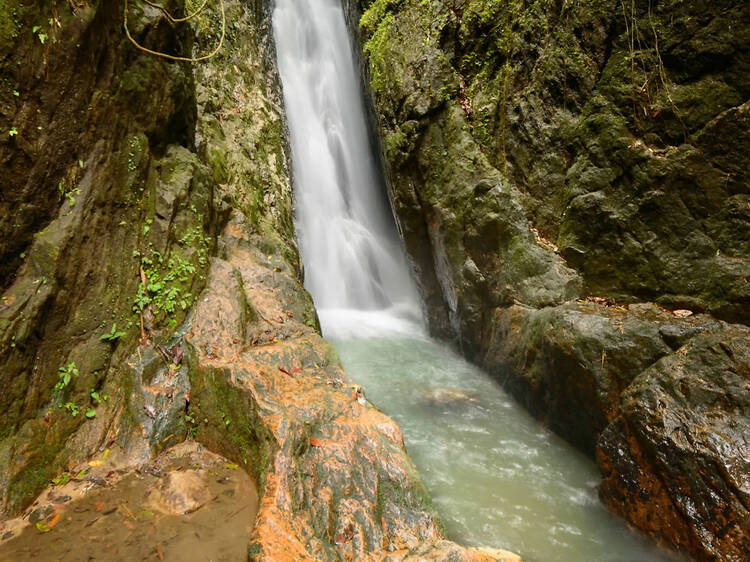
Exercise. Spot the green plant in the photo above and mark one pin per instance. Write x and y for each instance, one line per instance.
(69, 194)
(90, 413)
(13, 132)
(113, 334)
(142, 300)
(36, 30)
(65, 374)
(166, 280)
(61, 480)
(72, 408)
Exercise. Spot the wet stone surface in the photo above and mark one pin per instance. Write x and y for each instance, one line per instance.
(188, 504)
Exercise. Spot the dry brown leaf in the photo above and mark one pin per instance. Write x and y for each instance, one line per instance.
(54, 521)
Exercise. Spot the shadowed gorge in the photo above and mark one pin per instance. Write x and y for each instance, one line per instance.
(523, 225)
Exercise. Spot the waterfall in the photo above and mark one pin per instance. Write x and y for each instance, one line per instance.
(355, 267)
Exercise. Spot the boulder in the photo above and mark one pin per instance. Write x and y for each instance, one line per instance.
(179, 493)
(676, 458)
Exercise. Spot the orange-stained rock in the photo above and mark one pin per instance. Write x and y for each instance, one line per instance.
(336, 482)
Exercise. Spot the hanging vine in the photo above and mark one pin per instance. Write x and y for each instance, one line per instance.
(173, 19)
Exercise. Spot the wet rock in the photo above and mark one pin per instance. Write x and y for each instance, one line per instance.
(452, 397)
(569, 364)
(40, 513)
(180, 492)
(676, 457)
(336, 480)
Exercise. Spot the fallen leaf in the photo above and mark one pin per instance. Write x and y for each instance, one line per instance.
(145, 514)
(232, 466)
(97, 462)
(99, 506)
(42, 528)
(54, 521)
(159, 552)
(316, 442)
(682, 313)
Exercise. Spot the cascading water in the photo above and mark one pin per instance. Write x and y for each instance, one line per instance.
(498, 477)
(355, 267)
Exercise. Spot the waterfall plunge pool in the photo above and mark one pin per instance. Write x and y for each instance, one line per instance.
(497, 477)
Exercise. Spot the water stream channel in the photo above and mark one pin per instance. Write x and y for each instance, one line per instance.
(498, 477)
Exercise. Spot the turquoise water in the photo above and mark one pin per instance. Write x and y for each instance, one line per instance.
(497, 476)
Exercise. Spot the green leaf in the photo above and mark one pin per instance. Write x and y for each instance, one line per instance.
(42, 528)
(232, 466)
(72, 408)
(61, 480)
(90, 413)
(42, 38)
(113, 334)
(13, 132)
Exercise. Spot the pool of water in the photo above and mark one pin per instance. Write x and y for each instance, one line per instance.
(497, 476)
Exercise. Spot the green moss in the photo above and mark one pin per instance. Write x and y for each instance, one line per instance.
(217, 400)
(9, 23)
(374, 15)
(380, 57)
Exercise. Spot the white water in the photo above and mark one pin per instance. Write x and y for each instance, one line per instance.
(355, 268)
(498, 477)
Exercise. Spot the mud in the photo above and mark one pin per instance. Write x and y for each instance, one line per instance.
(124, 514)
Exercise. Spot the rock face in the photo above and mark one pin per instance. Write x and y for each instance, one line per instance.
(100, 178)
(152, 284)
(686, 419)
(553, 165)
(269, 392)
